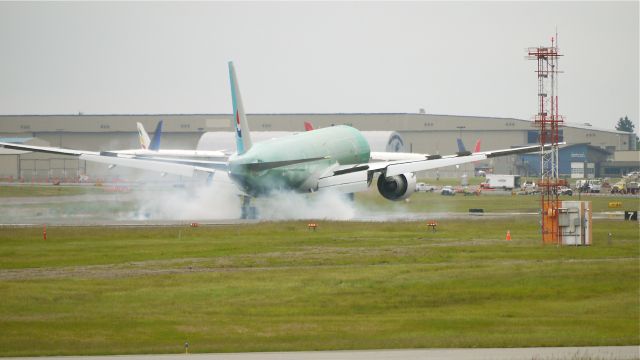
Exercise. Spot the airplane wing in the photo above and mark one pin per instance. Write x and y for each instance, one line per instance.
(429, 162)
(47, 149)
(162, 165)
(394, 156)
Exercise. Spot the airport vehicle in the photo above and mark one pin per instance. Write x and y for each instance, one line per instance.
(629, 184)
(625, 187)
(589, 185)
(565, 190)
(506, 182)
(425, 187)
(448, 190)
(529, 187)
(333, 158)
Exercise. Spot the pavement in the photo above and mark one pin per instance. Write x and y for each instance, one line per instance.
(536, 353)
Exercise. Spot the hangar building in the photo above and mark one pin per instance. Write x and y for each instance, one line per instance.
(422, 133)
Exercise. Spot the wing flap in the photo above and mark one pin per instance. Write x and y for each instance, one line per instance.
(46, 149)
(422, 165)
(346, 183)
(158, 166)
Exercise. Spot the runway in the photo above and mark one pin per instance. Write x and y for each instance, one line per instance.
(541, 353)
(168, 206)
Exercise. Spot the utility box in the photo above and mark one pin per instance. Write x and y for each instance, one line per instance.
(574, 222)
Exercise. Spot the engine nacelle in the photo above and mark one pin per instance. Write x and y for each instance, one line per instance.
(397, 187)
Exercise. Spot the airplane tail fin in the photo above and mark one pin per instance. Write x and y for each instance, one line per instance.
(143, 137)
(308, 126)
(460, 145)
(477, 149)
(155, 141)
(243, 137)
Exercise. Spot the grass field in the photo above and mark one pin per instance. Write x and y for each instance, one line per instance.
(279, 286)
(47, 190)
(434, 202)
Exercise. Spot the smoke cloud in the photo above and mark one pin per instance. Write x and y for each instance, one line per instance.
(293, 206)
(215, 202)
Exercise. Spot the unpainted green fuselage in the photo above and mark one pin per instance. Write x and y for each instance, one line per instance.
(340, 144)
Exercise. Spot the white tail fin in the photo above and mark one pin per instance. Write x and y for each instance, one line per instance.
(144, 137)
(243, 137)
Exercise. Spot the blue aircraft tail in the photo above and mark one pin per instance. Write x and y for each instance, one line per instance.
(155, 141)
(461, 147)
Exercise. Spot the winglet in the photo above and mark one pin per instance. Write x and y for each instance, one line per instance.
(155, 142)
(308, 126)
(243, 137)
(477, 149)
(143, 137)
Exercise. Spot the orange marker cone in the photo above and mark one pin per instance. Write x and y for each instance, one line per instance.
(508, 235)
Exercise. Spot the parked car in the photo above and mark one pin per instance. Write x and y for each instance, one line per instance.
(425, 187)
(563, 190)
(448, 190)
(529, 187)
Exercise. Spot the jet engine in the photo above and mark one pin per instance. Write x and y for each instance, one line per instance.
(397, 187)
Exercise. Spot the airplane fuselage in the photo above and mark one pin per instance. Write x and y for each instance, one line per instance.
(342, 145)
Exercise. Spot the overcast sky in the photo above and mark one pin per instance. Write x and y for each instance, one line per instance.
(455, 58)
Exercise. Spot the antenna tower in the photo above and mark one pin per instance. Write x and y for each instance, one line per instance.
(548, 121)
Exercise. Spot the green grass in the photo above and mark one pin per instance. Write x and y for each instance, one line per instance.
(46, 190)
(279, 286)
(434, 202)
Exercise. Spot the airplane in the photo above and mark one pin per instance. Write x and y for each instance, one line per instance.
(333, 158)
(147, 144)
(150, 148)
(462, 149)
(397, 155)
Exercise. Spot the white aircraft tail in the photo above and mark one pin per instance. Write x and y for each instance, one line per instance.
(145, 141)
(243, 137)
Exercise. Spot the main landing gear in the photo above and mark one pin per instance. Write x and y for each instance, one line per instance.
(248, 212)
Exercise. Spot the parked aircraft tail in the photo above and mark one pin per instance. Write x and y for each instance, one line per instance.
(145, 142)
(155, 141)
(243, 137)
(461, 147)
(143, 137)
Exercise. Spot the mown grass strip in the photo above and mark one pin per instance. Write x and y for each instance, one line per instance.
(279, 286)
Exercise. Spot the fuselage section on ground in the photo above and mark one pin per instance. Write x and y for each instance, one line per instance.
(341, 145)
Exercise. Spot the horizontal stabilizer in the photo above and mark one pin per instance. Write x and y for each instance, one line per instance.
(261, 166)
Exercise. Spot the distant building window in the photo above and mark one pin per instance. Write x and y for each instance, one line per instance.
(105, 126)
(611, 171)
(185, 126)
(532, 136)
